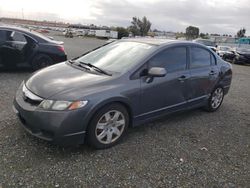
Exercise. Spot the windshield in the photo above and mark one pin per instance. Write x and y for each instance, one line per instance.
(117, 56)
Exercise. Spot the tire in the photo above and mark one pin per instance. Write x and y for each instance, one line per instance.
(236, 62)
(41, 61)
(104, 131)
(215, 100)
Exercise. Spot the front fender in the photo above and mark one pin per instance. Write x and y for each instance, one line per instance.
(119, 99)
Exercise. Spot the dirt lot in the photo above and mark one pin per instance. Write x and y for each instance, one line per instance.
(190, 149)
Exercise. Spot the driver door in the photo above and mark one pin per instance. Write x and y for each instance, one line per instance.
(163, 94)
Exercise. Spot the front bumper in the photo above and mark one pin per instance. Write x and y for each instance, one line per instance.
(59, 127)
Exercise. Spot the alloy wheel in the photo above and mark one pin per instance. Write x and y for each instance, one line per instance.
(217, 98)
(110, 127)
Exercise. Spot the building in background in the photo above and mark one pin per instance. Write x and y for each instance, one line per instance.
(15, 21)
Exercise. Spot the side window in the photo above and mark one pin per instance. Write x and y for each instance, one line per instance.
(172, 59)
(199, 57)
(19, 37)
(2, 35)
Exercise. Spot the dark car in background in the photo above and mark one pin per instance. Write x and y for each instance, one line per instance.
(97, 96)
(23, 48)
(242, 56)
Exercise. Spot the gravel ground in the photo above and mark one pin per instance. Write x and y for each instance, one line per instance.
(190, 149)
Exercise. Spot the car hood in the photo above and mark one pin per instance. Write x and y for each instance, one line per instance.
(63, 78)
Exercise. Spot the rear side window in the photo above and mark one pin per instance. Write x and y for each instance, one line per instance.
(19, 37)
(2, 35)
(172, 59)
(200, 57)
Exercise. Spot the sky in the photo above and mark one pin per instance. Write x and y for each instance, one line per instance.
(211, 16)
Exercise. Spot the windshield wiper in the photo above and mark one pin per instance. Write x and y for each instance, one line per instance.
(79, 64)
(96, 68)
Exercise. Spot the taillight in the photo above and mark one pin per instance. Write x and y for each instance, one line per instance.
(61, 48)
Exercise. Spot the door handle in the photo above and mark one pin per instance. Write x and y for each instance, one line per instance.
(182, 78)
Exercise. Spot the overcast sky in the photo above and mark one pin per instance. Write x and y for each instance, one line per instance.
(212, 16)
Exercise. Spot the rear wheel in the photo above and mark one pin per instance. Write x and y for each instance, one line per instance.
(215, 100)
(41, 61)
(108, 126)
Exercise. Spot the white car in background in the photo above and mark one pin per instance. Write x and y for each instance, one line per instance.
(222, 50)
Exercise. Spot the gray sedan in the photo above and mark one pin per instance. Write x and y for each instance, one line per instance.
(97, 96)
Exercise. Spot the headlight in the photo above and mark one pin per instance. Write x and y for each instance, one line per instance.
(62, 105)
(46, 104)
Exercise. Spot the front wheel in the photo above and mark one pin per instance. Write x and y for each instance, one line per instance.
(215, 100)
(108, 126)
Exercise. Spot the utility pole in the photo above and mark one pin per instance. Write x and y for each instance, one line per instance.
(22, 14)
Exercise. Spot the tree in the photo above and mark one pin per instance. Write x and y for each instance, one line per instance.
(204, 36)
(192, 32)
(140, 27)
(122, 32)
(241, 33)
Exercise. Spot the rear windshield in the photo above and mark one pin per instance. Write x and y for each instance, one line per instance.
(42, 36)
(245, 50)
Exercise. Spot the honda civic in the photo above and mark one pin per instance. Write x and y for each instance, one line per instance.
(95, 98)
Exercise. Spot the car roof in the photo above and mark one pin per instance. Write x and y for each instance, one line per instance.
(38, 37)
(157, 42)
(14, 28)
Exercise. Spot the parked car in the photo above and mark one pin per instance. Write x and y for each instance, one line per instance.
(96, 97)
(68, 34)
(42, 31)
(226, 53)
(242, 56)
(221, 50)
(23, 48)
(210, 44)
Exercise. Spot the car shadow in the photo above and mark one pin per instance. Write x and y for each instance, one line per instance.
(16, 70)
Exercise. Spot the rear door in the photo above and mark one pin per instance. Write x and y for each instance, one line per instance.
(204, 74)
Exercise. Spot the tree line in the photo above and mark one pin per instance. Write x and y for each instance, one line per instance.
(141, 27)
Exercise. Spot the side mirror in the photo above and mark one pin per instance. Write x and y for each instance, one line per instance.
(157, 72)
